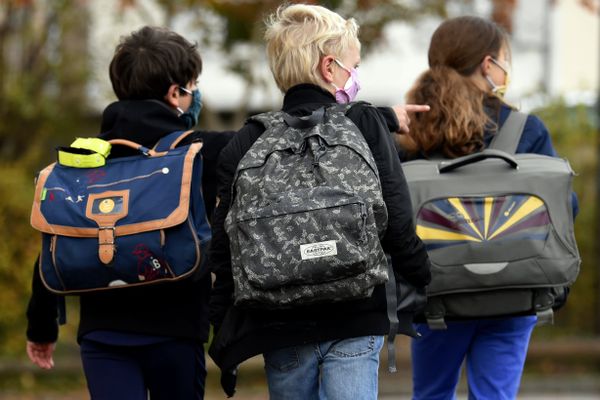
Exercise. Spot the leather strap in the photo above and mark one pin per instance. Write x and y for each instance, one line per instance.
(106, 209)
(106, 244)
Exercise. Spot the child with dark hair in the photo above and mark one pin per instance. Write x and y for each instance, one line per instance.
(142, 340)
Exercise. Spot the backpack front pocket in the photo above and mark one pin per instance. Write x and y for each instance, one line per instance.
(76, 271)
(303, 238)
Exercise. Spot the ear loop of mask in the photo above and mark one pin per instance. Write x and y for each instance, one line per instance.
(351, 87)
(342, 66)
(185, 90)
(499, 90)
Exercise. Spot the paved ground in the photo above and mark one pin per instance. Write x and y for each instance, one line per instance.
(522, 397)
(568, 383)
(251, 387)
(564, 386)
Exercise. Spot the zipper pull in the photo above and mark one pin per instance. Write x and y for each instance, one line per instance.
(363, 209)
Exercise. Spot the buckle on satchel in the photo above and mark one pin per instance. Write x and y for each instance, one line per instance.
(106, 244)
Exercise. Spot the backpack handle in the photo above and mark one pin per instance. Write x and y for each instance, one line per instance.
(305, 122)
(128, 143)
(447, 166)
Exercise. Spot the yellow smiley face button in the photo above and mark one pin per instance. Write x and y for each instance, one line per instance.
(106, 206)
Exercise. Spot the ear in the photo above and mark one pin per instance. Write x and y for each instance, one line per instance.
(486, 65)
(172, 96)
(326, 68)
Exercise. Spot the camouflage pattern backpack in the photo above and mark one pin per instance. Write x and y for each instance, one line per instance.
(306, 214)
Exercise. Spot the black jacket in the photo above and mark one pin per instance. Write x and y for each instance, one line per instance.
(242, 333)
(173, 309)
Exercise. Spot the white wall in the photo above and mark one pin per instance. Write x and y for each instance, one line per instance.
(575, 53)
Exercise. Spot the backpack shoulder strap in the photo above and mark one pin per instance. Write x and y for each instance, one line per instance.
(508, 137)
(345, 108)
(267, 119)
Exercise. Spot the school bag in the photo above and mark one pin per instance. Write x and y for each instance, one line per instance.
(498, 228)
(110, 223)
(306, 213)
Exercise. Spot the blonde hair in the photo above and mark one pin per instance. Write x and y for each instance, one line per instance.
(299, 35)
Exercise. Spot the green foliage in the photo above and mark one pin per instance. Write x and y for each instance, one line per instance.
(43, 74)
(574, 132)
(19, 247)
(17, 254)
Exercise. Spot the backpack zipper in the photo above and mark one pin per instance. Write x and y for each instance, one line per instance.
(363, 232)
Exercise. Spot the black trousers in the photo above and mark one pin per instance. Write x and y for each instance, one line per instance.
(169, 370)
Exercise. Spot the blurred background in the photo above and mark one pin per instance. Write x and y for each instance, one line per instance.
(54, 57)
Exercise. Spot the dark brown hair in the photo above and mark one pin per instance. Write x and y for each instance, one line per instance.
(457, 120)
(148, 61)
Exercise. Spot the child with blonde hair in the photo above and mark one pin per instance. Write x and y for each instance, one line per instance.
(327, 350)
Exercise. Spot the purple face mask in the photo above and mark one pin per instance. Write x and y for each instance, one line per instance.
(350, 90)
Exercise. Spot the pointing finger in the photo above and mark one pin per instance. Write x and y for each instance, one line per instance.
(417, 108)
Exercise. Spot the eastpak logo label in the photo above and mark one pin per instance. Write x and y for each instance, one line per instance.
(317, 250)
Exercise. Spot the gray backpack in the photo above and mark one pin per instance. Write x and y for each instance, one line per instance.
(306, 213)
(498, 228)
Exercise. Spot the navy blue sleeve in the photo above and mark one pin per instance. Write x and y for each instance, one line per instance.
(536, 139)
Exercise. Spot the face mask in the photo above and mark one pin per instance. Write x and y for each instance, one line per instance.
(190, 117)
(499, 90)
(350, 90)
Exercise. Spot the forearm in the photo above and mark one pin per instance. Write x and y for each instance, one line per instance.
(42, 311)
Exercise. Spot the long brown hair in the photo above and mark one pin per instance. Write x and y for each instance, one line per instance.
(456, 123)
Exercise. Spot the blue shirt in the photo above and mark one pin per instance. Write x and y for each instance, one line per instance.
(535, 139)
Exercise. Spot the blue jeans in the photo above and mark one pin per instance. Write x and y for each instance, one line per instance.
(494, 349)
(334, 370)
